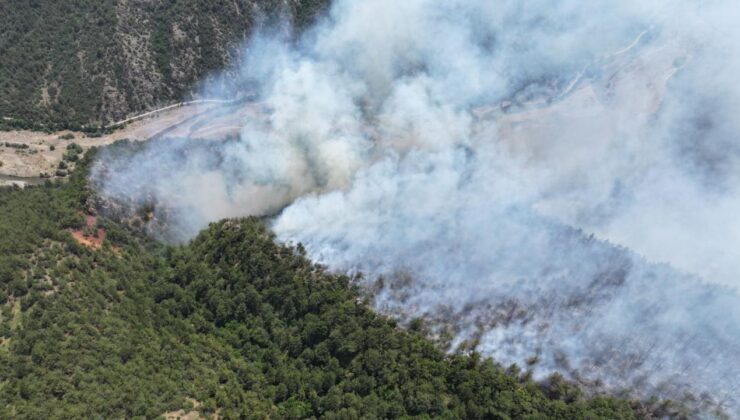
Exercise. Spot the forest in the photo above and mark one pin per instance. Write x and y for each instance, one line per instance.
(79, 64)
(100, 321)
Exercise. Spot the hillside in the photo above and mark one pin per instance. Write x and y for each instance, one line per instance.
(99, 321)
(84, 61)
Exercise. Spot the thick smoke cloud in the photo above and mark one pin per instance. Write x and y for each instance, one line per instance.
(556, 181)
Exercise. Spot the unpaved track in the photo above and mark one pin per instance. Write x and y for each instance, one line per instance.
(206, 119)
(527, 131)
(172, 107)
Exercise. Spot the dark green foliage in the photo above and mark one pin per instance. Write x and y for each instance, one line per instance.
(72, 154)
(241, 324)
(67, 64)
(31, 230)
(54, 58)
(16, 145)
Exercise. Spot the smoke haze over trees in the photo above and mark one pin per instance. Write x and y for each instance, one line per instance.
(233, 324)
(552, 181)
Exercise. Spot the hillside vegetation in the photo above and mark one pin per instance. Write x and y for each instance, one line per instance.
(99, 321)
(72, 62)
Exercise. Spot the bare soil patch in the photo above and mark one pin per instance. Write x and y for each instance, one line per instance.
(29, 154)
(90, 236)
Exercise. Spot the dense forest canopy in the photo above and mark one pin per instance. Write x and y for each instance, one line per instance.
(66, 63)
(100, 321)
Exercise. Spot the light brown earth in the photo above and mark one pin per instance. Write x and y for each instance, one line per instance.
(193, 414)
(633, 89)
(206, 121)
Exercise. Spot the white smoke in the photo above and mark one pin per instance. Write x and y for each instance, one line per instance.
(464, 151)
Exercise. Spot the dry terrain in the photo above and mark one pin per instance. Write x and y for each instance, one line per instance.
(26, 156)
(635, 88)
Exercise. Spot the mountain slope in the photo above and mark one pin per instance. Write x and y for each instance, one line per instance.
(81, 61)
(98, 321)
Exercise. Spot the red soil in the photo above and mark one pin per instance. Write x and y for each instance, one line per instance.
(93, 242)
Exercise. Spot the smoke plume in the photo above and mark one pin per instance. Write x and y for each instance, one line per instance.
(555, 182)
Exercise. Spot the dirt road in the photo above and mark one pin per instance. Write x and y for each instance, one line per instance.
(29, 154)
